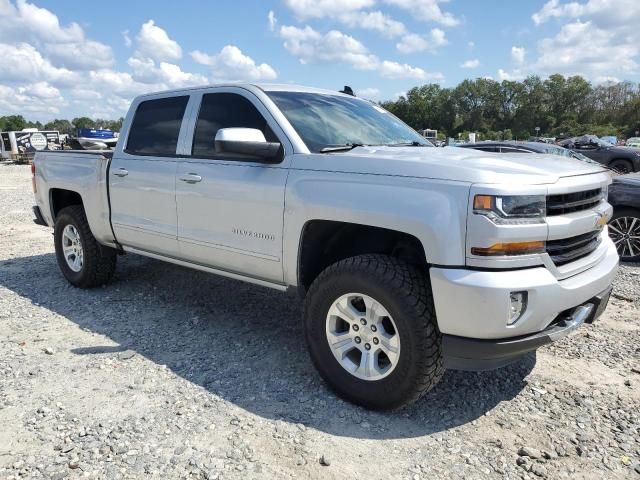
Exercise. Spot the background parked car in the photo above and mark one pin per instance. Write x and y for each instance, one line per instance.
(633, 142)
(526, 147)
(624, 227)
(621, 159)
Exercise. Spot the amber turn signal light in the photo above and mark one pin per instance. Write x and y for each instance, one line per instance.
(516, 248)
(483, 202)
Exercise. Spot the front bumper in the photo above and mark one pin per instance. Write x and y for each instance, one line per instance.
(472, 354)
(475, 305)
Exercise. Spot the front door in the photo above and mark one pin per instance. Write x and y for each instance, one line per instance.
(230, 209)
(142, 178)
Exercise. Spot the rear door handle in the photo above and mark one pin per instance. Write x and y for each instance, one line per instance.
(121, 172)
(191, 178)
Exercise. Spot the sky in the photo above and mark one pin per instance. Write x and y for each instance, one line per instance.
(78, 58)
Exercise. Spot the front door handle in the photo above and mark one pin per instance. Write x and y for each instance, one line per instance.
(121, 172)
(191, 178)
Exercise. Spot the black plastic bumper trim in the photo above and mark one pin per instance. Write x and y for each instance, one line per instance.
(39, 220)
(461, 353)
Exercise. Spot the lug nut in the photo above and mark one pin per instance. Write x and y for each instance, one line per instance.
(357, 340)
(373, 328)
(375, 341)
(367, 346)
(363, 321)
(356, 328)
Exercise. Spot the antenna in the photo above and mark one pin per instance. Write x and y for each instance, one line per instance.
(347, 90)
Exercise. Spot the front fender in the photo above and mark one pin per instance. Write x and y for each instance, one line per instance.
(433, 211)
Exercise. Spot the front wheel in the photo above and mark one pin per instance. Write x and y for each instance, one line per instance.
(621, 166)
(624, 230)
(371, 331)
(83, 261)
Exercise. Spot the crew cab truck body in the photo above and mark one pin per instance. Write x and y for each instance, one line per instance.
(410, 259)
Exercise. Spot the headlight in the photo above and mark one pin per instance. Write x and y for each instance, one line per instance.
(605, 193)
(511, 209)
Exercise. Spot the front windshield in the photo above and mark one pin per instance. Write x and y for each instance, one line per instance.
(555, 150)
(325, 121)
(596, 140)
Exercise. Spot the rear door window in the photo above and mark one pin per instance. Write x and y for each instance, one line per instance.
(156, 126)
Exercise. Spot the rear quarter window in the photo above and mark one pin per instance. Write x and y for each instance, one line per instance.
(156, 126)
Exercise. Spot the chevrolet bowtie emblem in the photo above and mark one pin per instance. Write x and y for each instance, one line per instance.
(602, 219)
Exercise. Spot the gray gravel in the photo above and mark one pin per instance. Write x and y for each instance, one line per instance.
(171, 373)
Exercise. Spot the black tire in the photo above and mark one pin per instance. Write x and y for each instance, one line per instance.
(99, 262)
(406, 294)
(622, 166)
(618, 224)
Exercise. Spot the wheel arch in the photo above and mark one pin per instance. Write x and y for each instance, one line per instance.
(634, 162)
(61, 198)
(324, 242)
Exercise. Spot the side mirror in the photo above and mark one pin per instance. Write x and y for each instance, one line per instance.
(246, 141)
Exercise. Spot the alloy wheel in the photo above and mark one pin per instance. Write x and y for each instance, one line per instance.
(625, 233)
(363, 336)
(72, 248)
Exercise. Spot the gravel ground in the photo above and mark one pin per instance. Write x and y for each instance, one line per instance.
(166, 374)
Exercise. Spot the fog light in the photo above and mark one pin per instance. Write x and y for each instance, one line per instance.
(518, 306)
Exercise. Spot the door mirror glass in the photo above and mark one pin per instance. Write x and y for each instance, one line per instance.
(247, 142)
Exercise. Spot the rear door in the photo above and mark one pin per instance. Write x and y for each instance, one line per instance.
(230, 209)
(142, 177)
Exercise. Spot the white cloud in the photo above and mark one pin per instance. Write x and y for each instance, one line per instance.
(154, 42)
(127, 39)
(271, 18)
(610, 12)
(145, 70)
(512, 76)
(391, 69)
(517, 55)
(582, 48)
(120, 83)
(306, 9)
(475, 63)
(335, 47)
(28, 65)
(352, 13)
(427, 10)
(471, 45)
(597, 38)
(84, 55)
(371, 93)
(32, 99)
(413, 42)
(64, 46)
(310, 46)
(230, 64)
(376, 21)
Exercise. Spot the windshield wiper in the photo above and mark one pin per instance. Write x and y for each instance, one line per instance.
(415, 143)
(341, 148)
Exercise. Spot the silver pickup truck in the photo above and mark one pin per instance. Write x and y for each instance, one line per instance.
(410, 259)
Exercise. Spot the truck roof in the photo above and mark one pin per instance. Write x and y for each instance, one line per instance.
(267, 87)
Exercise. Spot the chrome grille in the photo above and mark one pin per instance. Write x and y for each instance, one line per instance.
(569, 249)
(573, 202)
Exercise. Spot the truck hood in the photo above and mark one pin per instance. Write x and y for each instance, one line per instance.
(449, 163)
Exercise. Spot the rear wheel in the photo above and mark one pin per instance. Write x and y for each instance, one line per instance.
(83, 261)
(622, 166)
(371, 331)
(624, 230)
